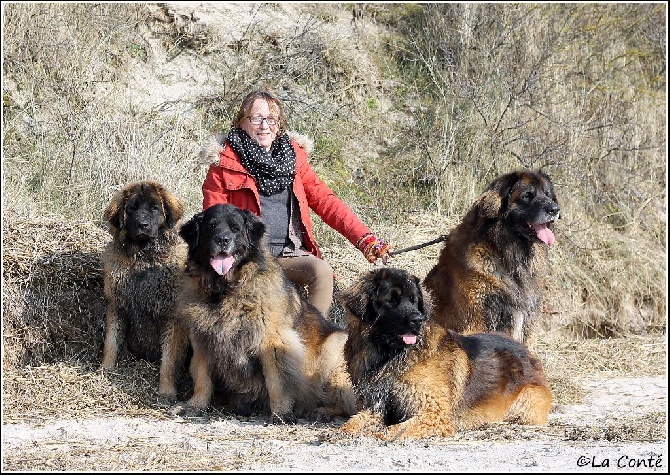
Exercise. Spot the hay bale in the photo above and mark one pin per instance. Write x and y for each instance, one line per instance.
(53, 301)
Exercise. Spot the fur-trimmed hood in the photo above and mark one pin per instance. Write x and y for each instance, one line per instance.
(209, 154)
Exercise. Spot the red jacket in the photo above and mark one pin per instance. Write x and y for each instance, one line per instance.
(229, 182)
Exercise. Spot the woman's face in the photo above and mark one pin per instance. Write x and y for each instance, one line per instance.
(263, 133)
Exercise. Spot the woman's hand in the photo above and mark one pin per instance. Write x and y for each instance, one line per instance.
(373, 248)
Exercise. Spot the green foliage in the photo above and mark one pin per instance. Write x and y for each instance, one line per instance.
(394, 15)
(327, 161)
(138, 51)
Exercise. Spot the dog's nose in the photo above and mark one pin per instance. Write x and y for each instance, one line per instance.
(417, 318)
(222, 240)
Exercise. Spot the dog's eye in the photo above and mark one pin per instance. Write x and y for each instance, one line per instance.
(527, 195)
(395, 297)
(234, 227)
(387, 300)
(155, 207)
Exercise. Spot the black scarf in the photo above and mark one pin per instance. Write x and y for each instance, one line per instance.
(273, 170)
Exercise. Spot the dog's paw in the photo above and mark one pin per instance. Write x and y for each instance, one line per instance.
(107, 367)
(320, 414)
(364, 423)
(285, 418)
(415, 429)
(186, 410)
(167, 400)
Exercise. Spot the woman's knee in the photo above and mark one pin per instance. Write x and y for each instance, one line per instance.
(307, 270)
(323, 270)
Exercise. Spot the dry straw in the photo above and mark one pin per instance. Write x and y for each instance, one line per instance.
(53, 304)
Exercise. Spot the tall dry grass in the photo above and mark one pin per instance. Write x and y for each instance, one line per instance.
(413, 108)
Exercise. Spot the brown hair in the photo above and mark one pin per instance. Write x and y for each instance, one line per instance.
(273, 102)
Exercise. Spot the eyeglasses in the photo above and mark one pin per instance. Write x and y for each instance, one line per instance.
(259, 120)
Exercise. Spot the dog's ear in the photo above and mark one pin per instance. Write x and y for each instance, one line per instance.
(172, 207)
(358, 298)
(495, 198)
(190, 231)
(420, 304)
(115, 212)
(255, 227)
(425, 299)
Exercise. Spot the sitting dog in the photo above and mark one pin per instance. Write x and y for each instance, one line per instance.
(488, 276)
(417, 379)
(254, 336)
(142, 266)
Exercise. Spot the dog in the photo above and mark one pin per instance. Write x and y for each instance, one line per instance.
(488, 277)
(254, 336)
(142, 267)
(416, 379)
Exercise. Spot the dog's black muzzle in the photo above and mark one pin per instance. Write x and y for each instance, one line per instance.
(415, 321)
(549, 212)
(142, 227)
(222, 243)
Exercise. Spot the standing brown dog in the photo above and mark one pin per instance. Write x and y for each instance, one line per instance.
(488, 276)
(254, 336)
(142, 267)
(417, 379)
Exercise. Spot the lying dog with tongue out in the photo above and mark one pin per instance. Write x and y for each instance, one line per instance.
(489, 273)
(416, 379)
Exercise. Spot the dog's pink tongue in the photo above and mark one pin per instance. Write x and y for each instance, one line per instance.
(544, 234)
(222, 264)
(409, 339)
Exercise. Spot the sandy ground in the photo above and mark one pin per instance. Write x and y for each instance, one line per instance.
(590, 436)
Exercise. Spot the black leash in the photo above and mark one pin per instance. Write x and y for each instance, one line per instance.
(419, 246)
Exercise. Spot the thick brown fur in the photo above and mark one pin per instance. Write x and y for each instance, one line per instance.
(490, 270)
(254, 336)
(142, 267)
(416, 379)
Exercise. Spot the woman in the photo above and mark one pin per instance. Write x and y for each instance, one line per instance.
(262, 169)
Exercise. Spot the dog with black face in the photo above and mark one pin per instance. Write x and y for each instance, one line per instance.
(416, 379)
(142, 267)
(254, 336)
(489, 273)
